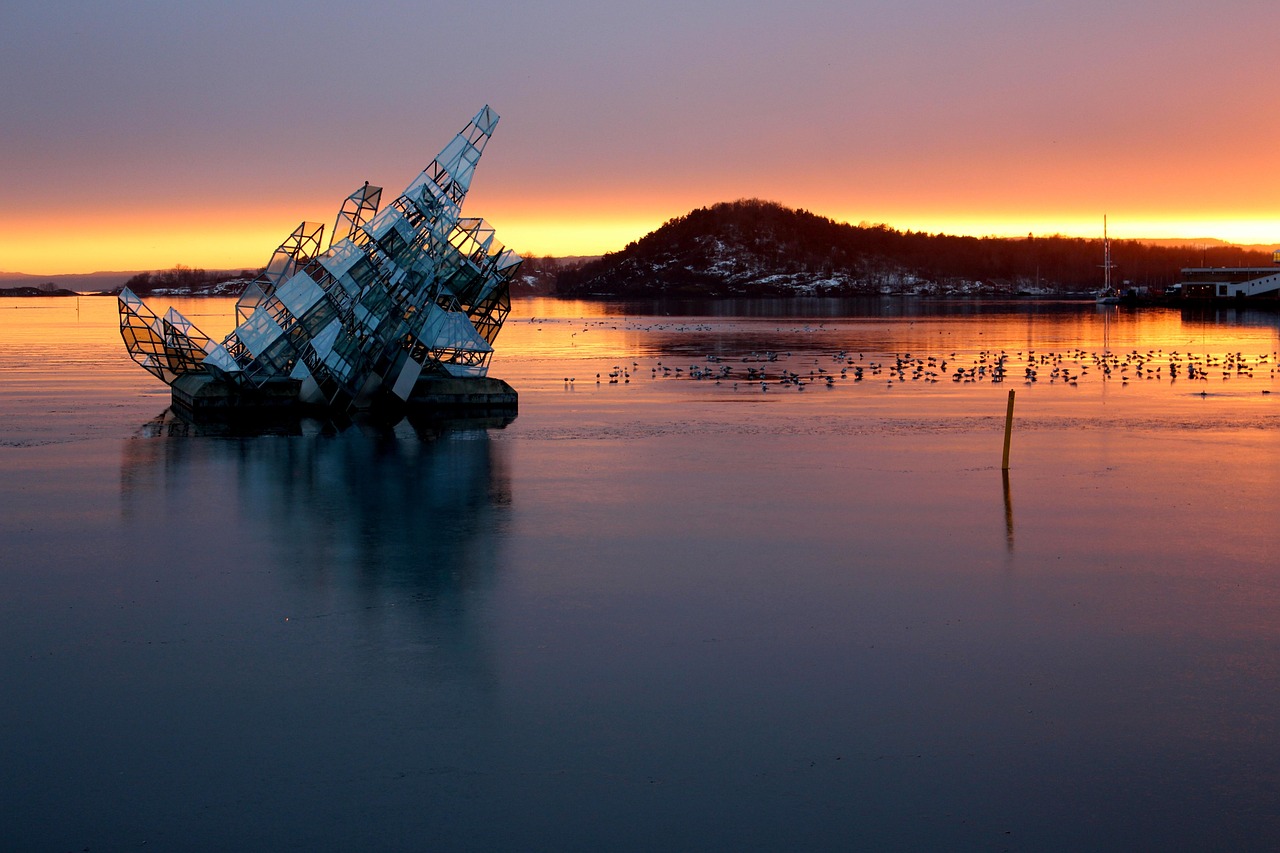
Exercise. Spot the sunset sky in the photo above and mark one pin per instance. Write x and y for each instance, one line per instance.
(139, 135)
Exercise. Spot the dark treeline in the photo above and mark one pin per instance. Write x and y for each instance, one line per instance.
(46, 289)
(742, 246)
(538, 274)
(184, 279)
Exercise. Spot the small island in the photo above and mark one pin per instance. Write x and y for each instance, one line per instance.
(42, 290)
(754, 248)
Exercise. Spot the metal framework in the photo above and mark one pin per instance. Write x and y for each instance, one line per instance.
(409, 291)
(358, 209)
(167, 346)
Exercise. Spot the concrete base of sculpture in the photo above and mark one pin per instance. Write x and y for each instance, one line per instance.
(200, 396)
(451, 392)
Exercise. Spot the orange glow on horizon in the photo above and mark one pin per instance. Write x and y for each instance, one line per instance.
(238, 239)
(88, 241)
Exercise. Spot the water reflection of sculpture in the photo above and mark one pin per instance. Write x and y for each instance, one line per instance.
(376, 511)
(412, 291)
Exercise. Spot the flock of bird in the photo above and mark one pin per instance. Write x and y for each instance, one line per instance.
(780, 369)
(768, 368)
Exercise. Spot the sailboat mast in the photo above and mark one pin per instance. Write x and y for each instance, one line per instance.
(1106, 256)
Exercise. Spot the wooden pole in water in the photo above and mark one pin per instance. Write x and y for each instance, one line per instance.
(1008, 432)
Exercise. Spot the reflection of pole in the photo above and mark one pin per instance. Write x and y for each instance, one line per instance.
(1008, 433)
(1008, 510)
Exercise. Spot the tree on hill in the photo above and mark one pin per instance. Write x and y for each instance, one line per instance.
(183, 278)
(537, 274)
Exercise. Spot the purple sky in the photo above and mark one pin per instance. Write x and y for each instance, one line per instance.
(142, 134)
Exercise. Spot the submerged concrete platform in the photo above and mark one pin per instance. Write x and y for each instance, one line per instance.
(201, 396)
(451, 392)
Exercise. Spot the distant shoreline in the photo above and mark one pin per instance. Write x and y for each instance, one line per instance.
(36, 291)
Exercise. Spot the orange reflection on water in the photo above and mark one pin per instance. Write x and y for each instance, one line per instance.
(916, 363)
(66, 374)
(911, 362)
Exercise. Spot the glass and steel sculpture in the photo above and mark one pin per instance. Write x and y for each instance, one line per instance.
(413, 291)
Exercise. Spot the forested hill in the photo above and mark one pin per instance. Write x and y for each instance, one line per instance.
(759, 248)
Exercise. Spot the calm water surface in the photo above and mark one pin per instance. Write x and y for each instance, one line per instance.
(656, 611)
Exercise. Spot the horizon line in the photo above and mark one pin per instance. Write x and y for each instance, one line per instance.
(1175, 241)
